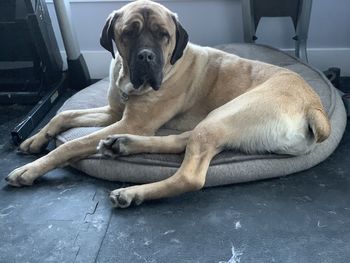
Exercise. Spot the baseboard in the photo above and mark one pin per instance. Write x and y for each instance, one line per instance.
(321, 58)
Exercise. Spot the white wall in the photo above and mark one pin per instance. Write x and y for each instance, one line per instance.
(211, 22)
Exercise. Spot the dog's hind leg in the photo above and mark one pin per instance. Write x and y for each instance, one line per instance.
(247, 124)
(65, 120)
(203, 144)
(125, 144)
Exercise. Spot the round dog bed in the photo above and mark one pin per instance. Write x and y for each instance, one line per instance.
(227, 167)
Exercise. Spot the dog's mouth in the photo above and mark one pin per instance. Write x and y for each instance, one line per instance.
(146, 68)
(141, 81)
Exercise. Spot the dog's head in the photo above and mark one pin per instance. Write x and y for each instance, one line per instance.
(148, 37)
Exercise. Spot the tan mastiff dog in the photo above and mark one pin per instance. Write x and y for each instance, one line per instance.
(219, 101)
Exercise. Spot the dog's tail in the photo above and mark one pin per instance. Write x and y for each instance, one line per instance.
(319, 124)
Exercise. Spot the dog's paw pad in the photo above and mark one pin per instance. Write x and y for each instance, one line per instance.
(21, 176)
(120, 198)
(34, 145)
(113, 146)
(124, 197)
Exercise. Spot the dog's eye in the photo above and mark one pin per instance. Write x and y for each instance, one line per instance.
(162, 35)
(128, 33)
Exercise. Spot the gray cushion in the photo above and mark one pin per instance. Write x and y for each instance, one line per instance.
(227, 167)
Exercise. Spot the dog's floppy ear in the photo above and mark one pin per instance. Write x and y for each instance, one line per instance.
(107, 34)
(181, 41)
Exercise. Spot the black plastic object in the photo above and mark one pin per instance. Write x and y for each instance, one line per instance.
(333, 74)
(79, 76)
(30, 61)
(35, 116)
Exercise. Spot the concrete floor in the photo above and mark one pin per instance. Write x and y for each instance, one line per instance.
(66, 217)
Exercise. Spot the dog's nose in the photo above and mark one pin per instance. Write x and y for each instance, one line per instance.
(146, 55)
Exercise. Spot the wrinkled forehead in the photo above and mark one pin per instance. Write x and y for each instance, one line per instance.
(149, 14)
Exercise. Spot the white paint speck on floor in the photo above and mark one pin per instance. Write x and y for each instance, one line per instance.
(236, 256)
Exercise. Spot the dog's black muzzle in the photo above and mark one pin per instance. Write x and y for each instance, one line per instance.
(146, 68)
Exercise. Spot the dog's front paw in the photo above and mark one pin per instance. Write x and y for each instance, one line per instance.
(22, 176)
(124, 197)
(114, 146)
(34, 144)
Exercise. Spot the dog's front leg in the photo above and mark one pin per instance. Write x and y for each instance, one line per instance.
(138, 118)
(124, 144)
(66, 153)
(65, 120)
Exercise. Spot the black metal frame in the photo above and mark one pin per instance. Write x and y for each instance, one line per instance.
(31, 69)
(35, 116)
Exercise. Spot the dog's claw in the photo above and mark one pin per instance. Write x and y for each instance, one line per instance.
(124, 197)
(22, 176)
(113, 200)
(109, 140)
(120, 199)
(34, 145)
(19, 151)
(113, 146)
